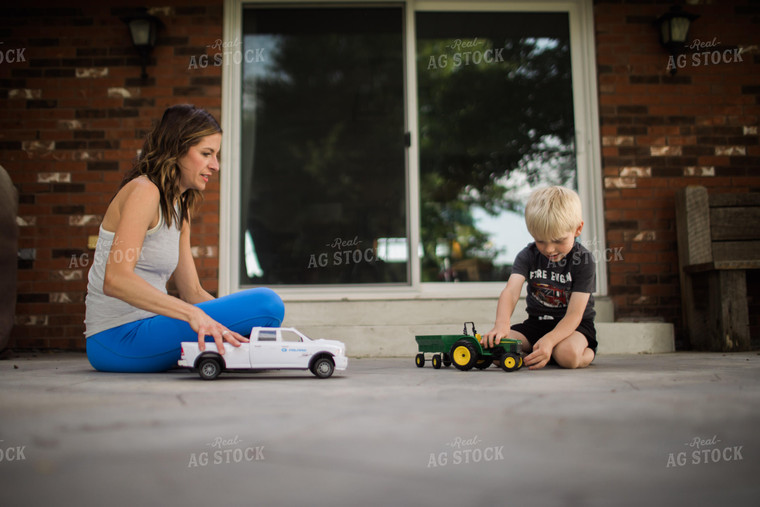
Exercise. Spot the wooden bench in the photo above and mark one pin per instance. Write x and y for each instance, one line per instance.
(718, 241)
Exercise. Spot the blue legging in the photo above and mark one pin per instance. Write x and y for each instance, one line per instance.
(153, 344)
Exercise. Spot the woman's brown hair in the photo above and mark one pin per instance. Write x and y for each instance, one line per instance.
(181, 127)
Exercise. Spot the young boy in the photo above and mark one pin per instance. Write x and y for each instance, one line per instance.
(561, 279)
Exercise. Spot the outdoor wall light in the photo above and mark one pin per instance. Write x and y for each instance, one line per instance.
(143, 28)
(674, 30)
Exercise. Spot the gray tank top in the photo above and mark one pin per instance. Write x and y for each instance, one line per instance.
(155, 264)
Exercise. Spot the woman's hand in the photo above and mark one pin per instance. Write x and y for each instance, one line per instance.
(205, 326)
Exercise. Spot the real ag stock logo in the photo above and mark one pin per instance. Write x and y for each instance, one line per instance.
(226, 52)
(466, 52)
(465, 451)
(345, 252)
(225, 451)
(698, 58)
(12, 55)
(704, 451)
(11, 453)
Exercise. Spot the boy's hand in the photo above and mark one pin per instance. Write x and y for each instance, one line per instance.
(493, 337)
(542, 352)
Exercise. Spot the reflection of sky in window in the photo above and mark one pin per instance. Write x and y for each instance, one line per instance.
(392, 249)
(265, 69)
(516, 236)
(507, 232)
(542, 44)
(270, 44)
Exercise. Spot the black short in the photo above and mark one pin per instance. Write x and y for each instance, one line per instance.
(534, 329)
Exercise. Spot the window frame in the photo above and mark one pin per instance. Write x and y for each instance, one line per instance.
(588, 148)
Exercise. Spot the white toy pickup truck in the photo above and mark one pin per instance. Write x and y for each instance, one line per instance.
(270, 348)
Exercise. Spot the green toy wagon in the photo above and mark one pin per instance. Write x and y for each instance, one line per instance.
(465, 351)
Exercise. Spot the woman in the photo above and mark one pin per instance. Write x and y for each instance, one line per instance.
(132, 324)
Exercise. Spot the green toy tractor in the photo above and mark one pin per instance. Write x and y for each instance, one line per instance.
(465, 351)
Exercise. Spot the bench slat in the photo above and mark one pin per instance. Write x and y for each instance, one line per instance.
(735, 223)
(721, 266)
(741, 251)
(723, 200)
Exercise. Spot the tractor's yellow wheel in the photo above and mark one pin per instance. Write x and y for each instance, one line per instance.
(510, 362)
(462, 355)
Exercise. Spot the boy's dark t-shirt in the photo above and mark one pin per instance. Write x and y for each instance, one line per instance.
(551, 283)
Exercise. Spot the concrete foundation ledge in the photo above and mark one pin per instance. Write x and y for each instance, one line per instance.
(635, 337)
(398, 340)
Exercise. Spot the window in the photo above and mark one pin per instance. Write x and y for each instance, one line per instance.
(495, 120)
(393, 145)
(323, 162)
(267, 335)
(290, 336)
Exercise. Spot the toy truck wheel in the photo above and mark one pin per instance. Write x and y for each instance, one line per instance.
(437, 361)
(510, 362)
(323, 367)
(484, 362)
(446, 360)
(463, 355)
(419, 360)
(209, 368)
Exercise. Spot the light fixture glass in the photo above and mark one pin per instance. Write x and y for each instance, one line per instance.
(142, 32)
(142, 29)
(674, 30)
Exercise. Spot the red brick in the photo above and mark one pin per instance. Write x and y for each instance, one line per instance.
(73, 95)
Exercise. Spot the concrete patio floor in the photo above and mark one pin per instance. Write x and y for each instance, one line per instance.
(665, 429)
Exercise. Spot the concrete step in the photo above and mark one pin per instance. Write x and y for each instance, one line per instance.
(386, 328)
(635, 337)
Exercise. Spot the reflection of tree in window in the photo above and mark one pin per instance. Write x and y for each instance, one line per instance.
(323, 153)
(489, 131)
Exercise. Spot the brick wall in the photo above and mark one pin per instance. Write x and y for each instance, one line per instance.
(663, 131)
(74, 113)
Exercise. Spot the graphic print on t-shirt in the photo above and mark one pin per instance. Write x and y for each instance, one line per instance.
(550, 296)
(551, 284)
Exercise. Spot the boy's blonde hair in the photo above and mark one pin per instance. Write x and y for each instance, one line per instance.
(552, 212)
